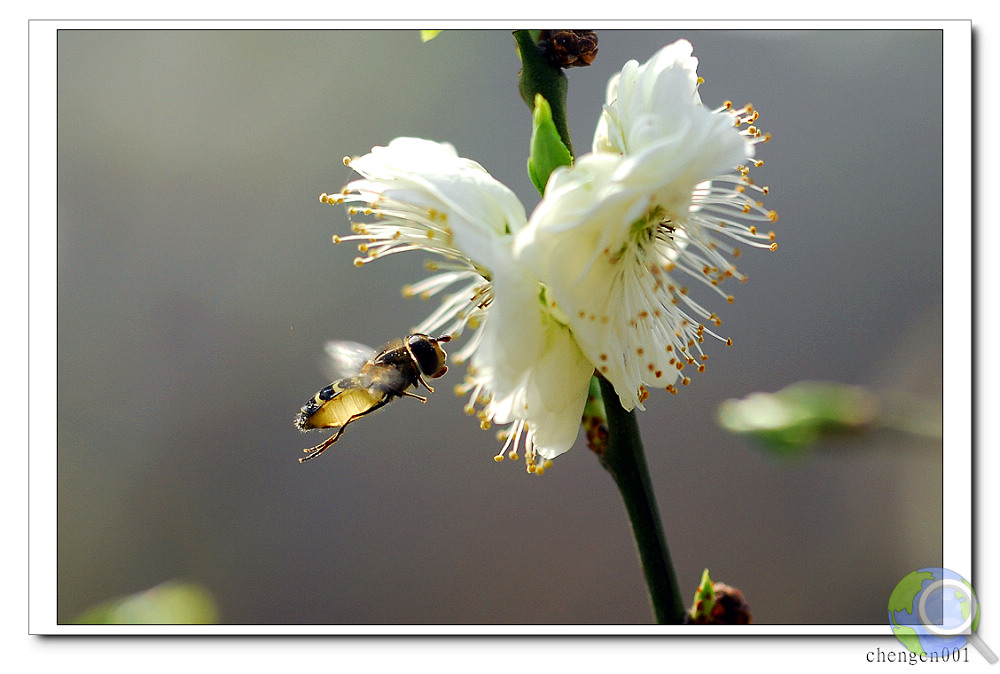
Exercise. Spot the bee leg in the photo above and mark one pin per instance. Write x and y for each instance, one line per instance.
(414, 395)
(421, 380)
(313, 452)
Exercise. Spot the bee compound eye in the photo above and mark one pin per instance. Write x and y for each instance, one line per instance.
(428, 355)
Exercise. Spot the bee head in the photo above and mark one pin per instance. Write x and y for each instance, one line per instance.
(428, 354)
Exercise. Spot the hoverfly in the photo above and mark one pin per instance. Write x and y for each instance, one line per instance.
(377, 379)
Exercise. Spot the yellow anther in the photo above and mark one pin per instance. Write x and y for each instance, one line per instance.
(347, 161)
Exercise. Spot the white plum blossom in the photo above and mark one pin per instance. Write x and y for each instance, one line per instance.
(596, 278)
(664, 198)
(526, 371)
(420, 195)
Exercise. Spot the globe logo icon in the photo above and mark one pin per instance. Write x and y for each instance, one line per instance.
(933, 612)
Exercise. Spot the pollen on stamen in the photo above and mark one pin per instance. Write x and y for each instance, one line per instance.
(336, 238)
(358, 262)
(498, 458)
(347, 161)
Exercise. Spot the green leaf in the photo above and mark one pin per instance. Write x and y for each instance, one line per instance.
(801, 414)
(428, 35)
(548, 152)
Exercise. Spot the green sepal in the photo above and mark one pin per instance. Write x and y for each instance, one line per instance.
(704, 599)
(428, 35)
(548, 152)
(595, 419)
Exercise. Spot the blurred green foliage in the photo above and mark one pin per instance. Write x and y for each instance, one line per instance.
(801, 414)
(174, 602)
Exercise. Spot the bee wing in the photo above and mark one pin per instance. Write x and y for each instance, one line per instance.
(345, 359)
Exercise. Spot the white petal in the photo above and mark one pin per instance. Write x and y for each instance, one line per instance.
(531, 364)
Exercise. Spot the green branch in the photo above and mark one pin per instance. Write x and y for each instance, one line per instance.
(625, 460)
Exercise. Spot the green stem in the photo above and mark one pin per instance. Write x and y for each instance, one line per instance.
(626, 461)
(538, 76)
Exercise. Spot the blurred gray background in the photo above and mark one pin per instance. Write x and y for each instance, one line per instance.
(197, 284)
